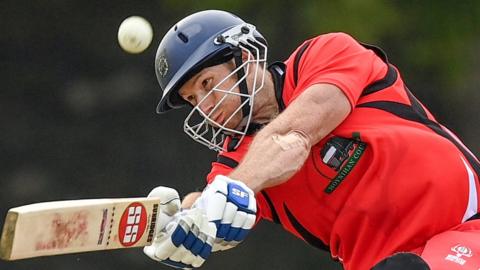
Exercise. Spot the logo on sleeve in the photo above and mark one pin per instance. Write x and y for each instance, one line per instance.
(461, 251)
(132, 224)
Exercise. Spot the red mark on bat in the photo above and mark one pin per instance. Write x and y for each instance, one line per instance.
(132, 224)
(65, 230)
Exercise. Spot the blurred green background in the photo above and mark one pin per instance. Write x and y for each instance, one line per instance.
(77, 113)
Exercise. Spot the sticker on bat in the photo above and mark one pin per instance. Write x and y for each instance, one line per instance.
(132, 224)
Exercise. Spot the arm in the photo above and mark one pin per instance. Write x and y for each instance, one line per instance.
(231, 204)
(276, 153)
(312, 115)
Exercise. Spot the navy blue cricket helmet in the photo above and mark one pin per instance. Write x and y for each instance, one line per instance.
(190, 46)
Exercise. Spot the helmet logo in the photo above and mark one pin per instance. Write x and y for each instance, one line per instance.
(162, 66)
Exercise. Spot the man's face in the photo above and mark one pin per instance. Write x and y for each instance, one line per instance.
(195, 92)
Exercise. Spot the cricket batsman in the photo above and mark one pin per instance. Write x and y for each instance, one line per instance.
(330, 144)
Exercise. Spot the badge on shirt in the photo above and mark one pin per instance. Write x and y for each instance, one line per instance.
(341, 154)
(336, 151)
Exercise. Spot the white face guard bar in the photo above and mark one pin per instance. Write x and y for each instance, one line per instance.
(199, 125)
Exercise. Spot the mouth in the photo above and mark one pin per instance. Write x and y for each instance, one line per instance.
(217, 120)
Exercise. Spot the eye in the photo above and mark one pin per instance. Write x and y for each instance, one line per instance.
(191, 99)
(206, 83)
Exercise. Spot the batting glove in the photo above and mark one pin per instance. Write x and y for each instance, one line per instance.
(182, 239)
(169, 205)
(231, 205)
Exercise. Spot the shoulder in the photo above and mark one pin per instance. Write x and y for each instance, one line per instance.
(333, 58)
(324, 50)
(335, 37)
(332, 41)
(334, 44)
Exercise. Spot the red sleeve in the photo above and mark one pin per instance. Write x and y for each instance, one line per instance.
(263, 208)
(336, 59)
(227, 161)
(218, 169)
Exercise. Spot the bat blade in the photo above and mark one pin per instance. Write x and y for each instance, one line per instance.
(61, 227)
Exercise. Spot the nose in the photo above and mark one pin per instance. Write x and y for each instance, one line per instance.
(206, 104)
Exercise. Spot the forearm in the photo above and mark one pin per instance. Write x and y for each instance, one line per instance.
(313, 115)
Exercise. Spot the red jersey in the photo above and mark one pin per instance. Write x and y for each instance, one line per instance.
(385, 180)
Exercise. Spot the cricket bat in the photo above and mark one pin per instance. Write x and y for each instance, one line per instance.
(61, 227)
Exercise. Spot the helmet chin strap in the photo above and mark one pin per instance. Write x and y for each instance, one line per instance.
(237, 56)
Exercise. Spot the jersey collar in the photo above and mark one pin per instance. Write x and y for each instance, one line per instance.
(278, 71)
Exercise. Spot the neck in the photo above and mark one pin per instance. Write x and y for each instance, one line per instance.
(265, 107)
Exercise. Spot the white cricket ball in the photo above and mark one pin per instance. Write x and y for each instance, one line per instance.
(135, 34)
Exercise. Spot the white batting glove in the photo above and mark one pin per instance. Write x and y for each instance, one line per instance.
(231, 205)
(169, 205)
(182, 239)
(186, 242)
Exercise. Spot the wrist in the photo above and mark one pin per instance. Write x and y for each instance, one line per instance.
(248, 178)
(237, 192)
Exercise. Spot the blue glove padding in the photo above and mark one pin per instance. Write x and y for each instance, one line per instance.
(185, 242)
(231, 205)
(183, 239)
